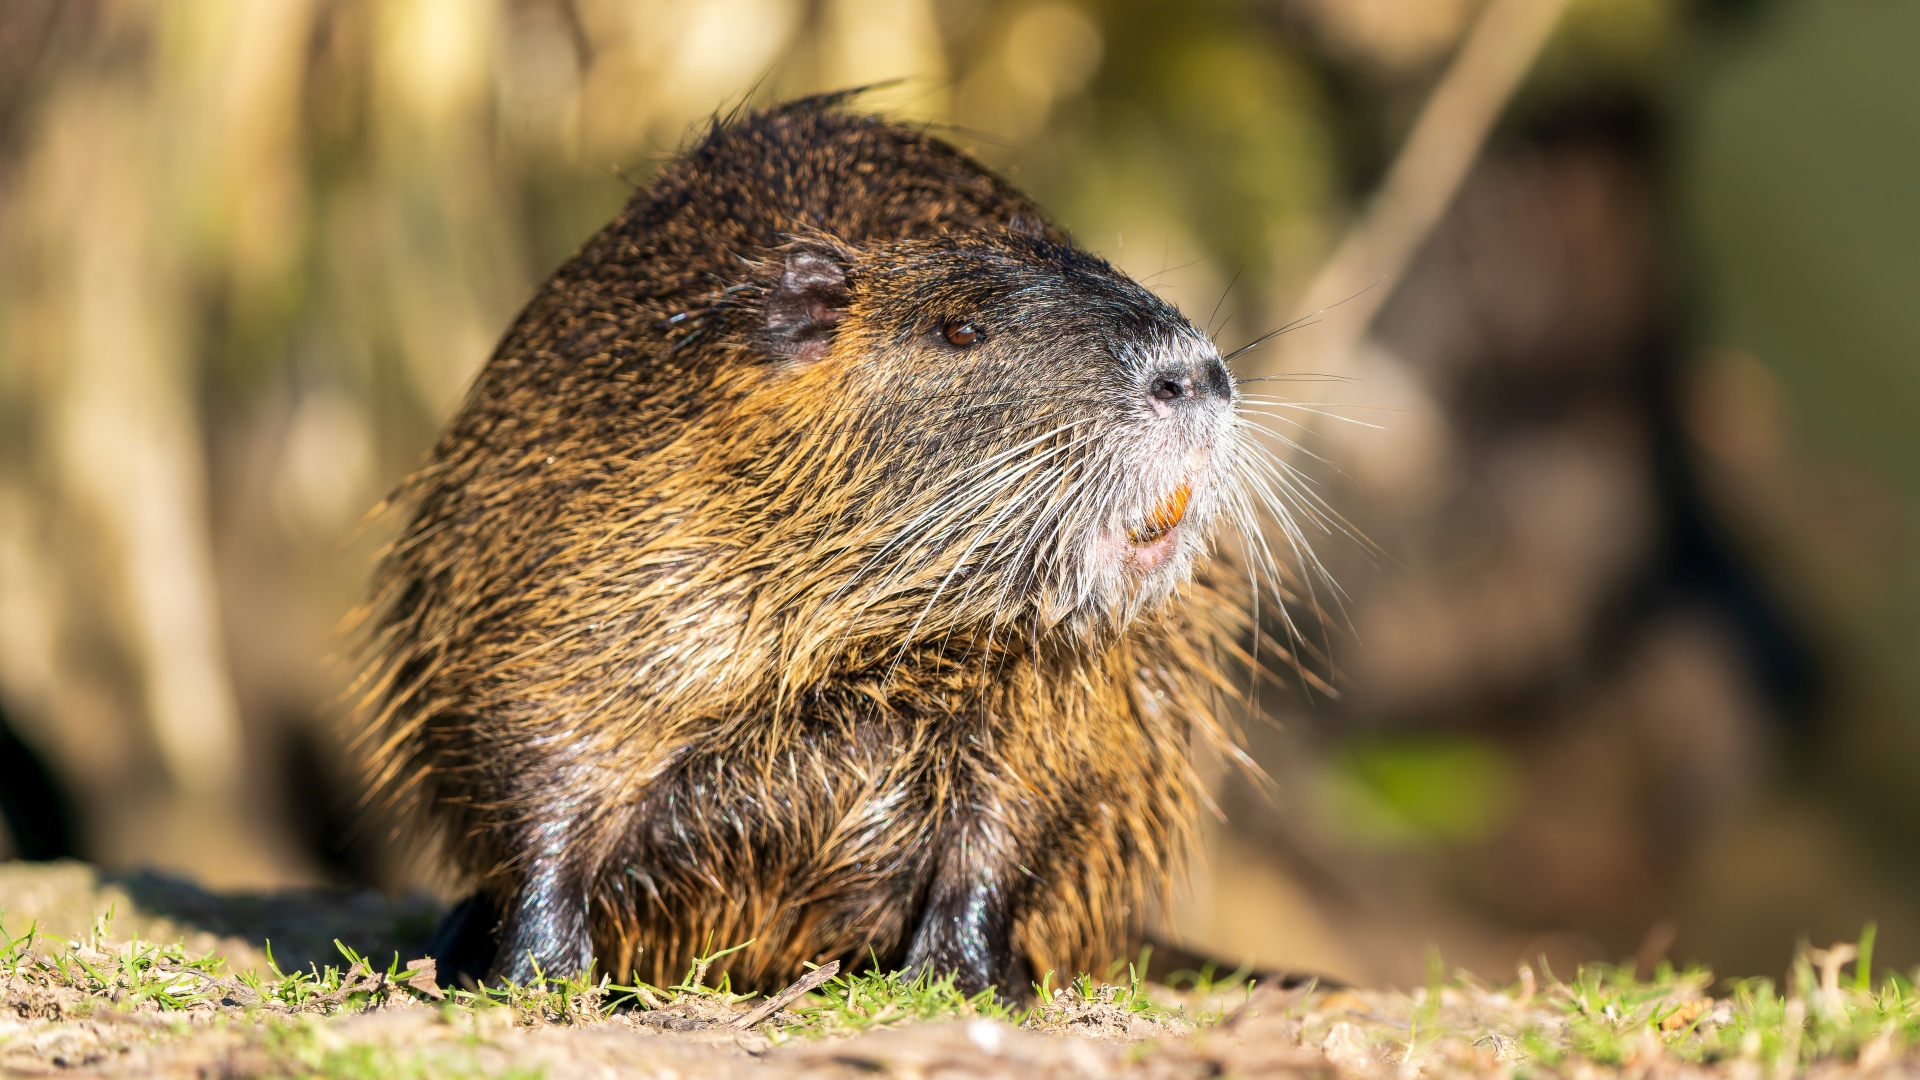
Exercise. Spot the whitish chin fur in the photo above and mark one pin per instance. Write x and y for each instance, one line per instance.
(1118, 562)
(1122, 574)
(1145, 558)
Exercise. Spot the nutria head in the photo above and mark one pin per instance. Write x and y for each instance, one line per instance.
(984, 433)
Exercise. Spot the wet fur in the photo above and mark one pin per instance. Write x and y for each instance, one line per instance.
(736, 605)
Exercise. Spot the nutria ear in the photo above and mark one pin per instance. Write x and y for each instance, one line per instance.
(1020, 223)
(807, 302)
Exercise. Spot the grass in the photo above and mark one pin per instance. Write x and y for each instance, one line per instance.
(1612, 1018)
(853, 1002)
(863, 1000)
(139, 972)
(1831, 1009)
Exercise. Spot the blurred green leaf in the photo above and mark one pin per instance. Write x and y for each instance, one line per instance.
(1409, 791)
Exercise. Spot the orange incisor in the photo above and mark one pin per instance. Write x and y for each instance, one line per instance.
(1164, 517)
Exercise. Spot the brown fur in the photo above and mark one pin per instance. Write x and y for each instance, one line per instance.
(734, 605)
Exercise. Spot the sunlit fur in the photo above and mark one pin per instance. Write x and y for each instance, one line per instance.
(693, 638)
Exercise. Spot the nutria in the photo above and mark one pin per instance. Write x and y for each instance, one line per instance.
(813, 564)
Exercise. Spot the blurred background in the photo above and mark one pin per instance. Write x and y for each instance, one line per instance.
(1631, 667)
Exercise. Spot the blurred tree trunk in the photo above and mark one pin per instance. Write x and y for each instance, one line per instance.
(159, 161)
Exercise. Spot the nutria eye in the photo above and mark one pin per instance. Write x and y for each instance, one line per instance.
(963, 334)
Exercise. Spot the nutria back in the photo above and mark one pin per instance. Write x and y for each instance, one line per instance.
(814, 564)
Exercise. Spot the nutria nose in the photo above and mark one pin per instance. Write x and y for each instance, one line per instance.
(1168, 388)
(1190, 382)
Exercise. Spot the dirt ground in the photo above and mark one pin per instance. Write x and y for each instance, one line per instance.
(64, 1011)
